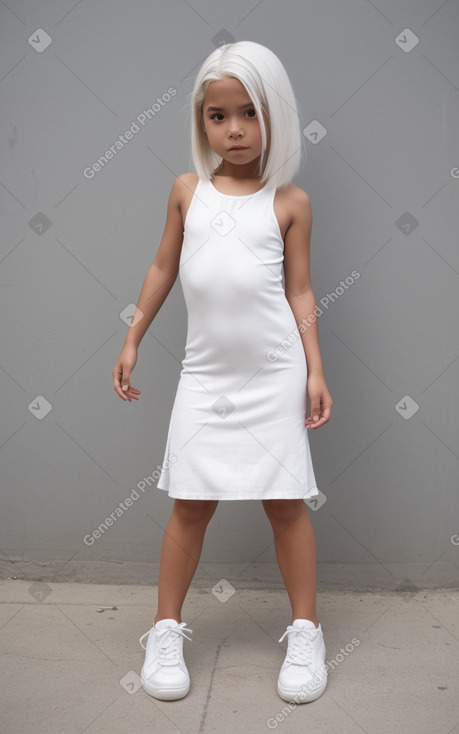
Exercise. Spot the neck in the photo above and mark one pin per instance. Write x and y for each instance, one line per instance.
(241, 172)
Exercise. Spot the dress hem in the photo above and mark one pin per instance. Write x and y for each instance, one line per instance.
(313, 492)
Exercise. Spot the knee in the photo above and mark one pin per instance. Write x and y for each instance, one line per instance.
(284, 511)
(195, 511)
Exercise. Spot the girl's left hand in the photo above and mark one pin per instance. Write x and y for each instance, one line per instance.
(321, 401)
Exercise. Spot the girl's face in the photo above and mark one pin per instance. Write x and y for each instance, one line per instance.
(230, 122)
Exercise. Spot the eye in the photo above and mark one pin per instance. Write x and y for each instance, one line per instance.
(251, 113)
(215, 115)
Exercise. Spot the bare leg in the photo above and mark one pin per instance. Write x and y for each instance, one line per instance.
(296, 554)
(181, 550)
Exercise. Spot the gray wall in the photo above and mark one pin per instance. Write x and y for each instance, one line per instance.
(384, 183)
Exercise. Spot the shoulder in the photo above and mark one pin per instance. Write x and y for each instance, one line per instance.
(187, 179)
(185, 182)
(183, 188)
(294, 207)
(295, 198)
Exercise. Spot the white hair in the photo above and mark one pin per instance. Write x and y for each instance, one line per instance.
(269, 88)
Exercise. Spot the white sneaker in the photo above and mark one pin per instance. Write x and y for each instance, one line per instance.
(303, 676)
(164, 674)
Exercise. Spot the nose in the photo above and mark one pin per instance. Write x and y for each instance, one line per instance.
(234, 129)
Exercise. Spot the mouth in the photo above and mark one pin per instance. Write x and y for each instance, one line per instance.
(238, 147)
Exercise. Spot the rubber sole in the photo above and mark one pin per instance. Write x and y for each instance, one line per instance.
(296, 695)
(165, 694)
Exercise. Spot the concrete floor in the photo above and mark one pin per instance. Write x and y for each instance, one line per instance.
(71, 659)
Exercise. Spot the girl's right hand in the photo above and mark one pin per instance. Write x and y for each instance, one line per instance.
(122, 374)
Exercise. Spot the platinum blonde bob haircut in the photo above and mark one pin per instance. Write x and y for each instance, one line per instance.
(270, 90)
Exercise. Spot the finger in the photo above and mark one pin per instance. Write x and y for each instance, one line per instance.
(323, 419)
(119, 392)
(130, 389)
(117, 383)
(125, 381)
(116, 377)
(318, 423)
(315, 411)
(130, 394)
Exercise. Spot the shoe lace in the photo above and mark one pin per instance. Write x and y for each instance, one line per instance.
(300, 648)
(168, 639)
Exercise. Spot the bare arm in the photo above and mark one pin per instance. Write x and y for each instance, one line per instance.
(299, 293)
(157, 284)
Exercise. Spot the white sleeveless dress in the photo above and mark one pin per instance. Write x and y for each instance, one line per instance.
(237, 425)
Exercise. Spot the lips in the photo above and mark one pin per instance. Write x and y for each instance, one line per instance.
(238, 147)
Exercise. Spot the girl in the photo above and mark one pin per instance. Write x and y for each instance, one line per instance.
(238, 427)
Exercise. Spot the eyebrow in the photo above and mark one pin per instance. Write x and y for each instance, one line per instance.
(221, 109)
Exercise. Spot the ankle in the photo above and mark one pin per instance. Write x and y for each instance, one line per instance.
(159, 617)
(312, 619)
